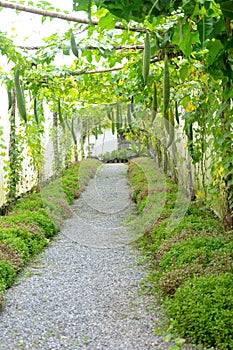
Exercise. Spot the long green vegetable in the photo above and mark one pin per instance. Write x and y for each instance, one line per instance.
(74, 47)
(154, 103)
(171, 128)
(146, 58)
(166, 92)
(129, 119)
(177, 113)
(118, 118)
(9, 94)
(113, 123)
(35, 111)
(20, 97)
(60, 116)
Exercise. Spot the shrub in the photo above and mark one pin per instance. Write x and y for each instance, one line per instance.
(1, 296)
(198, 249)
(64, 188)
(40, 218)
(30, 202)
(54, 190)
(11, 236)
(198, 221)
(87, 170)
(184, 260)
(7, 253)
(26, 230)
(7, 274)
(58, 207)
(2, 289)
(202, 310)
(58, 210)
(120, 153)
(172, 279)
(222, 261)
(22, 241)
(69, 190)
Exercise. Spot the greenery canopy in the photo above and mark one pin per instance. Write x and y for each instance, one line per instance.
(182, 75)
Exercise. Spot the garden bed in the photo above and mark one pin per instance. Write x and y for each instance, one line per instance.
(191, 265)
(36, 218)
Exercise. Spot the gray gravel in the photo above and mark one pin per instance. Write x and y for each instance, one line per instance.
(83, 291)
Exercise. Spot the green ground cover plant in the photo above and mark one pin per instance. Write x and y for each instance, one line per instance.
(40, 218)
(190, 266)
(202, 310)
(118, 154)
(36, 218)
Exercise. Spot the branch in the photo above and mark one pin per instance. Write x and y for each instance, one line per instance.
(45, 79)
(123, 47)
(103, 70)
(129, 47)
(62, 16)
(158, 58)
(160, 55)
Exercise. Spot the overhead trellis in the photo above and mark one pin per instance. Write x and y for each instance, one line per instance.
(189, 70)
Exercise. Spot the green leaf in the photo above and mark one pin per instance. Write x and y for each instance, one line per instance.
(184, 37)
(227, 8)
(88, 55)
(219, 28)
(107, 22)
(185, 101)
(185, 71)
(66, 50)
(179, 341)
(178, 33)
(205, 28)
(80, 5)
(167, 338)
(214, 47)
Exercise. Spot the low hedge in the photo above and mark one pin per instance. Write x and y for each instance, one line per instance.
(190, 265)
(202, 310)
(31, 242)
(36, 218)
(39, 218)
(7, 275)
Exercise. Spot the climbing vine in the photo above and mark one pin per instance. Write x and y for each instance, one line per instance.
(159, 67)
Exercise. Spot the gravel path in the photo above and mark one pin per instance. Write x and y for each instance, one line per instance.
(82, 292)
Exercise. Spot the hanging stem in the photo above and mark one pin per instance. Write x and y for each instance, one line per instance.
(13, 153)
(55, 144)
